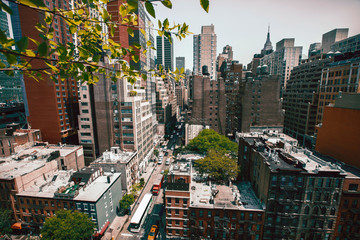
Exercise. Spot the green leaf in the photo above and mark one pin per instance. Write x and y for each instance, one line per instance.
(205, 5)
(33, 3)
(30, 53)
(150, 8)
(167, 3)
(148, 43)
(123, 11)
(112, 30)
(52, 67)
(42, 49)
(135, 58)
(143, 32)
(22, 44)
(144, 77)
(72, 29)
(133, 5)
(10, 58)
(5, 7)
(3, 37)
(166, 23)
(130, 32)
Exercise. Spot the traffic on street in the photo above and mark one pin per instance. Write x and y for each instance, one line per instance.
(147, 219)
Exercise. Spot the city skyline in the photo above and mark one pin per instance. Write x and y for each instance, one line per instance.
(246, 30)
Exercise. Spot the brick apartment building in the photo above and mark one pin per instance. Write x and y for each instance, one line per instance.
(198, 209)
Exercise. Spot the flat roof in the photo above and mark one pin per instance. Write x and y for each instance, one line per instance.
(95, 189)
(47, 187)
(111, 157)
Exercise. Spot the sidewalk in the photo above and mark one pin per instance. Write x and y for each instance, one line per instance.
(119, 221)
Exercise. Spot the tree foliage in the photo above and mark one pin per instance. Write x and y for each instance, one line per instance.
(68, 225)
(83, 57)
(126, 201)
(5, 224)
(217, 166)
(209, 139)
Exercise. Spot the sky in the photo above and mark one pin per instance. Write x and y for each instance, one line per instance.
(243, 24)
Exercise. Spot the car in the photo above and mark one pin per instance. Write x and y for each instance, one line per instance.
(153, 232)
(167, 162)
(166, 153)
(160, 161)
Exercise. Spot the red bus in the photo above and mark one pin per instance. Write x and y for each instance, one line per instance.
(157, 184)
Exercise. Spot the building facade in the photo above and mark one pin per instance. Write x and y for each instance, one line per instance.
(208, 103)
(205, 51)
(165, 53)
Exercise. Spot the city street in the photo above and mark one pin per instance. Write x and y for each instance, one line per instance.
(153, 217)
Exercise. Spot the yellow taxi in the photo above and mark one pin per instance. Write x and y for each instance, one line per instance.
(153, 232)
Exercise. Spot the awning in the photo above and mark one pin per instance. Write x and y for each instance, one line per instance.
(104, 228)
(16, 226)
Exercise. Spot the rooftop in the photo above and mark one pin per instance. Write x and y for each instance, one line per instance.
(96, 189)
(61, 182)
(24, 162)
(239, 196)
(116, 155)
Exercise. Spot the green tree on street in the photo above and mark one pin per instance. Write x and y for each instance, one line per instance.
(209, 139)
(5, 224)
(68, 225)
(126, 201)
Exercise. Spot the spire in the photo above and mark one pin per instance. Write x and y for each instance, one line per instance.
(267, 46)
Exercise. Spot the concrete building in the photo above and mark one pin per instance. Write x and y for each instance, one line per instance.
(340, 75)
(283, 60)
(208, 103)
(53, 105)
(301, 100)
(350, 44)
(205, 51)
(259, 104)
(32, 165)
(121, 162)
(314, 49)
(339, 134)
(13, 140)
(11, 88)
(180, 63)
(89, 190)
(301, 191)
(332, 37)
(347, 222)
(165, 53)
(12, 113)
(196, 208)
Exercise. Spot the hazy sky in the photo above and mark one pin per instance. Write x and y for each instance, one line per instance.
(243, 24)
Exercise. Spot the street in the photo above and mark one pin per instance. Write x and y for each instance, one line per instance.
(156, 214)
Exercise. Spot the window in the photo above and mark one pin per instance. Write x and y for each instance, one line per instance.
(85, 206)
(177, 201)
(177, 212)
(209, 213)
(201, 213)
(320, 182)
(85, 111)
(84, 104)
(185, 202)
(85, 126)
(353, 187)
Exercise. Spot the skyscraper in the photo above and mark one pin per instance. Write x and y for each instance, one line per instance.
(180, 63)
(165, 53)
(205, 51)
(53, 106)
(332, 37)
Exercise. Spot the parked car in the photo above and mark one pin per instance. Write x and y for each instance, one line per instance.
(153, 232)
(167, 162)
(160, 161)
